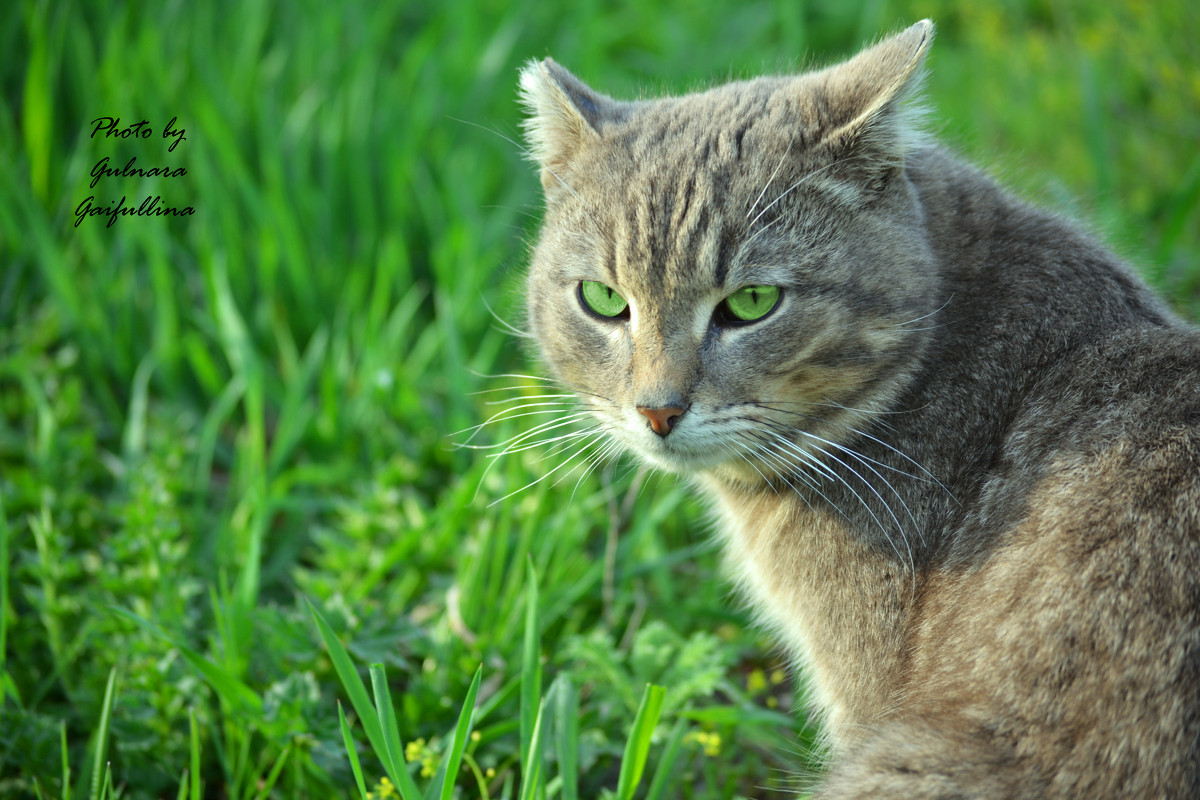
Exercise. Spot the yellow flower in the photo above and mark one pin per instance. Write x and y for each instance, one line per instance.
(414, 750)
(711, 742)
(385, 790)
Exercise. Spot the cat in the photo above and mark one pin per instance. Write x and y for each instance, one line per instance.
(951, 442)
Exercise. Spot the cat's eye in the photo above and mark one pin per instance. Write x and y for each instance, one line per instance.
(749, 304)
(602, 300)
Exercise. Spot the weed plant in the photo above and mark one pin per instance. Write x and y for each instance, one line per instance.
(230, 492)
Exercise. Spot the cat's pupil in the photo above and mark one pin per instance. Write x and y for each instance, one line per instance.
(748, 304)
(602, 300)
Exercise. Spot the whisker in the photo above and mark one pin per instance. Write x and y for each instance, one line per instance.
(797, 470)
(510, 413)
(782, 160)
(793, 187)
(562, 396)
(793, 470)
(750, 239)
(508, 327)
(574, 391)
(523, 149)
(803, 453)
(510, 447)
(926, 316)
(867, 462)
(535, 431)
(594, 461)
(544, 476)
(729, 446)
(927, 477)
(538, 379)
(932, 478)
(775, 405)
(557, 444)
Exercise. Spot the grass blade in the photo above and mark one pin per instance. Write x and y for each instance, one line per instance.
(531, 667)
(268, 783)
(666, 764)
(638, 746)
(66, 763)
(462, 731)
(393, 747)
(353, 684)
(195, 754)
(107, 787)
(531, 775)
(352, 753)
(226, 685)
(566, 726)
(378, 719)
(4, 679)
(98, 774)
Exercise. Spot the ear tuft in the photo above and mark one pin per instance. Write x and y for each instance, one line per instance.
(565, 115)
(871, 114)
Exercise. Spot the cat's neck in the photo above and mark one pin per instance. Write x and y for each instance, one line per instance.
(840, 605)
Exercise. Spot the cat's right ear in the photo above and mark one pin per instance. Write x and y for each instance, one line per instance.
(565, 116)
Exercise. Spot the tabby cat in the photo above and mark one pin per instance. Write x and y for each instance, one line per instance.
(951, 440)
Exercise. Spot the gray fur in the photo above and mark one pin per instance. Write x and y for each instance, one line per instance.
(955, 469)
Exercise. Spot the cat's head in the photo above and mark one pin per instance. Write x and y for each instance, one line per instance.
(727, 279)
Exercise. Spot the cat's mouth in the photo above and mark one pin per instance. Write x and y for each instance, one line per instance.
(747, 449)
(688, 446)
(728, 460)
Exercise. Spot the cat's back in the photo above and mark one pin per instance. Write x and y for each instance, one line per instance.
(1066, 608)
(1070, 608)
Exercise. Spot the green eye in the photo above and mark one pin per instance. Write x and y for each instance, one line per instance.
(752, 303)
(599, 299)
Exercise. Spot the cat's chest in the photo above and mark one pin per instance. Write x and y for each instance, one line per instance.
(839, 606)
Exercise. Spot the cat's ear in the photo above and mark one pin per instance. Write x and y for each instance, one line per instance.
(565, 116)
(870, 121)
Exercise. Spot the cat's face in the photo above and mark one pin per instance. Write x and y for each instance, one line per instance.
(730, 281)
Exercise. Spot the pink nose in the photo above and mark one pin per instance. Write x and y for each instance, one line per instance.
(661, 419)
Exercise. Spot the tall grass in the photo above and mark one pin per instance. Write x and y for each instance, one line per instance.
(210, 422)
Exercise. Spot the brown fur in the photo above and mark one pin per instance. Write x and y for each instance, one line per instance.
(956, 468)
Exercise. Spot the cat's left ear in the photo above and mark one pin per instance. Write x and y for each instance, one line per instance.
(870, 120)
(565, 116)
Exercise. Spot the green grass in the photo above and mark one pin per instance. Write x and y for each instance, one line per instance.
(218, 429)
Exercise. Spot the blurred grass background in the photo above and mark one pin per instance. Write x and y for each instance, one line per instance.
(206, 419)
